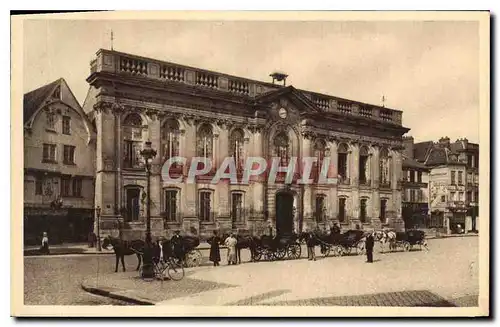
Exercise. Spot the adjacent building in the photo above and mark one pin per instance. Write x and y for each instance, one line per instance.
(453, 183)
(415, 195)
(188, 112)
(59, 166)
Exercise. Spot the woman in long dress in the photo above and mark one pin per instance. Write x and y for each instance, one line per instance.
(214, 242)
(231, 249)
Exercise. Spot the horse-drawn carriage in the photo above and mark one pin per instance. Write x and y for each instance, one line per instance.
(408, 239)
(341, 243)
(277, 248)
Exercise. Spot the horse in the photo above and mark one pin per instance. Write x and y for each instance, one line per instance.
(123, 248)
(244, 242)
(385, 237)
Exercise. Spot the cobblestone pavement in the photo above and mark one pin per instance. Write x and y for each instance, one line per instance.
(56, 280)
(447, 275)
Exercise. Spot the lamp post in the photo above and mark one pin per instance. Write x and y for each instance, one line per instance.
(148, 154)
(98, 215)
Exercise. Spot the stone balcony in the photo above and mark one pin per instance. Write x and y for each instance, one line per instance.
(126, 64)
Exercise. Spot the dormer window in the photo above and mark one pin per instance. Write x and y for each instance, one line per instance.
(51, 120)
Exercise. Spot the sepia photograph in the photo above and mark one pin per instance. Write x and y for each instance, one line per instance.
(250, 164)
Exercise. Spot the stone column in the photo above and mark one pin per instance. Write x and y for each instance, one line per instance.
(375, 167)
(307, 212)
(222, 188)
(333, 210)
(118, 111)
(156, 187)
(258, 193)
(396, 174)
(354, 168)
(105, 184)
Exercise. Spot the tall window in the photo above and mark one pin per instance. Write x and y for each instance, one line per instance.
(362, 210)
(342, 209)
(363, 165)
(170, 205)
(51, 120)
(170, 139)
(69, 154)
(319, 153)
(419, 177)
(383, 209)
(476, 161)
(320, 208)
(470, 163)
(460, 178)
(77, 187)
(65, 186)
(452, 196)
(71, 186)
(453, 177)
(385, 167)
(39, 186)
(205, 206)
(343, 152)
(66, 125)
(132, 135)
(237, 207)
(412, 177)
(460, 196)
(237, 140)
(468, 196)
(282, 148)
(205, 142)
(49, 152)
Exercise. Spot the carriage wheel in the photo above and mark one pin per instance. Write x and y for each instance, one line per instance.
(175, 271)
(257, 255)
(294, 251)
(338, 251)
(280, 253)
(361, 248)
(347, 250)
(269, 255)
(193, 258)
(406, 246)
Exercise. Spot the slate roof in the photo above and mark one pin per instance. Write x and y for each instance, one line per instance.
(411, 163)
(32, 100)
(421, 149)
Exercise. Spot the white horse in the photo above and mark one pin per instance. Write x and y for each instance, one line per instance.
(385, 238)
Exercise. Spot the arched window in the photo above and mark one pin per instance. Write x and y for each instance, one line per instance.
(132, 140)
(205, 141)
(237, 140)
(170, 139)
(282, 148)
(343, 152)
(364, 166)
(362, 210)
(384, 168)
(319, 154)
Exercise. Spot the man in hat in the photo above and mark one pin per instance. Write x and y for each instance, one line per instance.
(177, 245)
(370, 242)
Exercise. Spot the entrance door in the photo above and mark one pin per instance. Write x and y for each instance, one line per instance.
(284, 214)
(133, 204)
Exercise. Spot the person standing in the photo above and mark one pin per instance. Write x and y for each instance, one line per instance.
(231, 249)
(214, 242)
(311, 243)
(369, 248)
(177, 245)
(45, 244)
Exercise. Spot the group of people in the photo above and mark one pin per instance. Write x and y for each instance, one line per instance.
(160, 253)
(230, 242)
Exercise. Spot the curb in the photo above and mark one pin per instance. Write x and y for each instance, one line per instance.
(115, 295)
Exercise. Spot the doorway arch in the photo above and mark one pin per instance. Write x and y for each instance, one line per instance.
(284, 213)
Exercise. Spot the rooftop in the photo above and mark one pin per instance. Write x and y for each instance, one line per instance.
(137, 66)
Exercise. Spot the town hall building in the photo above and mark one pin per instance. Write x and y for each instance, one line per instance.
(191, 112)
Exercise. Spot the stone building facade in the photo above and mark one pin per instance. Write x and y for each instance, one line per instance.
(59, 166)
(188, 112)
(453, 183)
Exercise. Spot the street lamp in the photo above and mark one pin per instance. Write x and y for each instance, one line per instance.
(98, 215)
(148, 154)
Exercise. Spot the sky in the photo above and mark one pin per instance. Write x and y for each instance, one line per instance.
(429, 70)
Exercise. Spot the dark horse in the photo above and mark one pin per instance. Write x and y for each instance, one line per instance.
(123, 248)
(244, 242)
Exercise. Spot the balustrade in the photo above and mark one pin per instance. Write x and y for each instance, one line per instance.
(239, 87)
(205, 79)
(172, 73)
(134, 66)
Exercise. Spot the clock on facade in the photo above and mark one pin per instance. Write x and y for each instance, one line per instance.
(282, 113)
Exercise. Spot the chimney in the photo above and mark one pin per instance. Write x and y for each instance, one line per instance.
(444, 142)
(408, 143)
